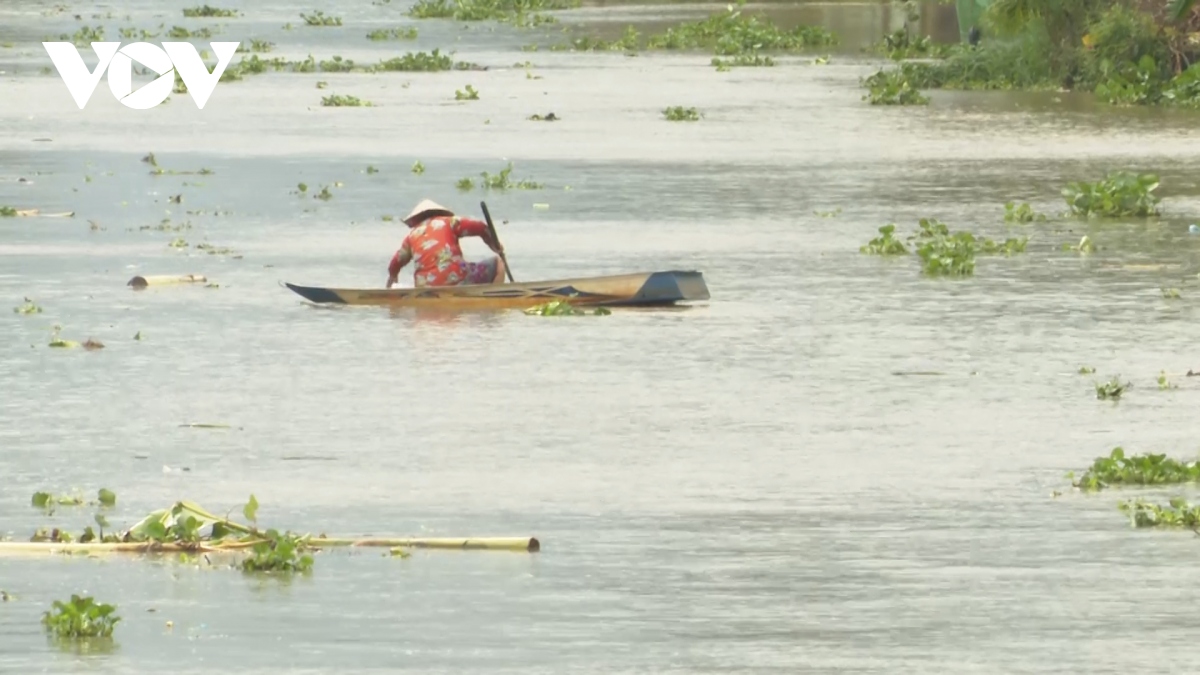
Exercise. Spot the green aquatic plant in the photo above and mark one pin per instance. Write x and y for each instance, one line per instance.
(46, 500)
(84, 36)
(742, 61)
(1164, 383)
(181, 33)
(1177, 513)
(28, 308)
(886, 243)
(324, 195)
(207, 11)
(419, 61)
(1021, 214)
(548, 117)
(465, 184)
(136, 34)
(520, 12)
(1120, 194)
(503, 181)
(336, 65)
(731, 32)
(256, 45)
(564, 308)
(80, 617)
(340, 101)
(1086, 370)
(679, 113)
(900, 44)
(469, 94)
(7, 212)
(892, 87)
(948, 255)
(318, 18)
(1084, 247)
(1170, 293)
(1111, 390)
(409, 33)
(418, 168)
(1150, 469)
(279, 553)
(371, 170)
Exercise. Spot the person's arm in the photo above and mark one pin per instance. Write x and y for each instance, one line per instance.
(469, 227)
(402, 258)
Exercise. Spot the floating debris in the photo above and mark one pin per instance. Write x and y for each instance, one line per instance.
(548, 117)
(139, 282)
(680, 114)
(28, 308)
(564, 308)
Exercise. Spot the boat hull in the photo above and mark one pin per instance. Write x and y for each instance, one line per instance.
(647, 289)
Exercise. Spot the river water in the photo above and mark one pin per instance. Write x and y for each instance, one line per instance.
(833, 465)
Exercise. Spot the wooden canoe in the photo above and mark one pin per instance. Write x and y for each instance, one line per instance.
(646, 289)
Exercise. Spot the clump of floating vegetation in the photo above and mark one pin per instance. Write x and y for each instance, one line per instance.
(499, 181)
(1120, 194)
(886, 243)
(1177, 513)
(380, 34)
(7, 212)
(1086, 370)
(564, 308)
(1021, 214)
(1170, 293)
(418, 168)
(47, 501)
(892, 87)
(319, 18)
(341, 101)
(1148, 469)
(469, 94)
(423, 61)
(81, 617)
(181, 33)
(207, 11)
(1111, 390)
(742, 61)
(1084, 247)
(520, 12)
(942, 252)
(256, 45)
(28, 308)
(730, 32)
(679, 113)
(84, 36)
(548, 117)
(1164, 382)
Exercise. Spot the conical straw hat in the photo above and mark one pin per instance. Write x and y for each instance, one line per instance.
(426, 206)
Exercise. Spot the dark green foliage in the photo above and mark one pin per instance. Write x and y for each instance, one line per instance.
(1111, 390)
(207, 11)
(678, 113)
(730, 32)
(1021, 214)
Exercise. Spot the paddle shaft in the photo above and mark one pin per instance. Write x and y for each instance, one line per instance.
(496, 238)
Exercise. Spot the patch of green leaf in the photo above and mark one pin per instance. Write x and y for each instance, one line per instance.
(1111, 390)
(1120, 194)
(418, 168)
(208, 12)
(1171, 293)
(80, 618)
(564, 308)
(181, 33)
(1021, 214)
(732, 32)
(1150, 469)
(319, 18)
(341, 101)
(28, 308)
(422, 62)
(469, 94)
(679, 113)
(892, 87)
(8, 212)
(886, 243)
(1086, 370)
(380, 34)
(1177, 514)
(279, 553)
(742, 61)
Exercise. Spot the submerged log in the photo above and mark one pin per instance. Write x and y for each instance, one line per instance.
(139, 282)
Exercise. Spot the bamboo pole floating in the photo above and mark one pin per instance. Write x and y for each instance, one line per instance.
(37, 212)
(166, 279)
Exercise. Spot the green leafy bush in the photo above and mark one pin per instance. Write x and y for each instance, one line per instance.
(80, 617)
(1120, 194)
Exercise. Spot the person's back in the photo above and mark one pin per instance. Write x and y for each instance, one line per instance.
(432, 244)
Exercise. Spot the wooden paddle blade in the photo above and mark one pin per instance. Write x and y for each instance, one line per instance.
(496, 238)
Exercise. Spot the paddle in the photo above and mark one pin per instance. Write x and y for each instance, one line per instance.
(496, 238)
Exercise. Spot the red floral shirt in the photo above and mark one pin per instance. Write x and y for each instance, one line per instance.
(434, 246)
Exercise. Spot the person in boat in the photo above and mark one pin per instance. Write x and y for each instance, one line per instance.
(432, 245)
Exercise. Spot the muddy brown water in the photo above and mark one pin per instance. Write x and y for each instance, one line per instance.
(760, 483)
